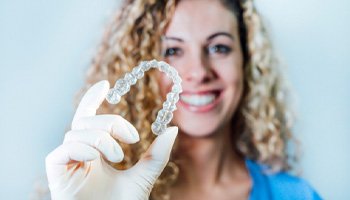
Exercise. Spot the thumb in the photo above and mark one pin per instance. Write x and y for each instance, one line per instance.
(160, 149)
(152, 163)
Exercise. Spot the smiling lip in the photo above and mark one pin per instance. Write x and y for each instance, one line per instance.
(204, 108)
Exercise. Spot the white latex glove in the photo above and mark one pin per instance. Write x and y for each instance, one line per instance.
(77, 169)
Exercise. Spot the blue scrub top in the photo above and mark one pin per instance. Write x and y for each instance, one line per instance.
(278, 186)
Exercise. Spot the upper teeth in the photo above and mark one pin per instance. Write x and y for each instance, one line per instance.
(198, 100)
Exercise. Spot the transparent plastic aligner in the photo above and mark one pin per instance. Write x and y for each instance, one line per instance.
(165, 115)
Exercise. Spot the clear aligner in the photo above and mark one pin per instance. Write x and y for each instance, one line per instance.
(165, 115)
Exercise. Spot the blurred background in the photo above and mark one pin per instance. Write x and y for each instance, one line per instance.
(46, 46)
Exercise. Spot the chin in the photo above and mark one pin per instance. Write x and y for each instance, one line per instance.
(197, 131)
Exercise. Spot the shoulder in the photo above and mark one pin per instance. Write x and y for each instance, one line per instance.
(281, 185)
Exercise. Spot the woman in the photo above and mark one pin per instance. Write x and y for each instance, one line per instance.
(232, 118)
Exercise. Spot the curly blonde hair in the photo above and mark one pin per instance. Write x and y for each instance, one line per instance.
(262, 123)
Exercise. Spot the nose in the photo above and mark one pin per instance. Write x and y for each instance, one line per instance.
(199, 69)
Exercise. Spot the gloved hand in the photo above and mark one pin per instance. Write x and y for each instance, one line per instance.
(77, 169)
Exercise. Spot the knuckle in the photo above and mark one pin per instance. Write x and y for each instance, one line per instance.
(98, 142)
(77, 124)
(117, 118)
(68, 136)
(101, 139)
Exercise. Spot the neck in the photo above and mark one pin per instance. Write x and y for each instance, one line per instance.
(208, 161)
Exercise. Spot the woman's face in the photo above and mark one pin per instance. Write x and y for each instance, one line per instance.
(202, 43)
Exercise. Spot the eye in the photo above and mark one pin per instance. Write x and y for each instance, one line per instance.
(174, 51)
(220, 49)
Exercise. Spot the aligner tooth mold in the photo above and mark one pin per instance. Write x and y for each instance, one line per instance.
(165, 115)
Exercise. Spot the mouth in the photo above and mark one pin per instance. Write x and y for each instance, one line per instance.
(200, 101)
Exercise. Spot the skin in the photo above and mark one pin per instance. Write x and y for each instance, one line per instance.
(202, 43)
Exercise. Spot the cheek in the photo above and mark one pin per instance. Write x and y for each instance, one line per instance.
(231, 74)
(178, 64)
(233, 79)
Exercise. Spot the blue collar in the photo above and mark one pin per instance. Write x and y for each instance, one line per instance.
(260, 186)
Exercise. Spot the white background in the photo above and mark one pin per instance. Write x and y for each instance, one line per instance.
(46, 46)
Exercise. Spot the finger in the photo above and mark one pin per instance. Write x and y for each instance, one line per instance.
(157, 156)
(100, 140)
(161, 147)
(57, 160)
(116, 125)
(91, 100)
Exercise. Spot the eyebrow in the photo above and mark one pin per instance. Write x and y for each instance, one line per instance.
(172, 38)
(218, 34)
(208, 39)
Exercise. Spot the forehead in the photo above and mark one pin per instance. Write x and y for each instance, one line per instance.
(200, 18)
